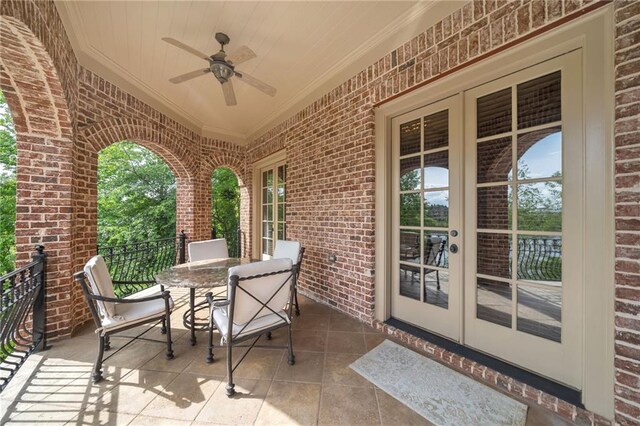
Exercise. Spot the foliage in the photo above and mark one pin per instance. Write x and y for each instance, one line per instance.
(8, 155)
(136, 196)
(539, 204)
(225, 206)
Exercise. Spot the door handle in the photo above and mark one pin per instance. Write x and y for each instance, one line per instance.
(453, 248)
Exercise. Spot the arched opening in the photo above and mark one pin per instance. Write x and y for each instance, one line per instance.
(225, 209)
(8, 155)
(136, 195)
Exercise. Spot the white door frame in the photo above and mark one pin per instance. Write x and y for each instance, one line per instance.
(594, 35)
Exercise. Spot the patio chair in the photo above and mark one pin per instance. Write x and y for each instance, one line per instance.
(112, 314)
(256, 299)
(286, 249)
(208, 249)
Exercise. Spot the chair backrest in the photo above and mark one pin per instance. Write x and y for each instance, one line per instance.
(208, 249)
(431, 251)
(286, 249)
(262, 288)
(98, 274)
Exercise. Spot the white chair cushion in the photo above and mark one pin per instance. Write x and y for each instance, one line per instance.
(287, 249)
(261, 288)
(130, 313)
(101, 285)
(222, 323)
(209, 249)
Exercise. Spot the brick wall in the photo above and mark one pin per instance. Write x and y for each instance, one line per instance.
(627, 211)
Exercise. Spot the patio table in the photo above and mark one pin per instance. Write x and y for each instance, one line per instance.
(198, 275)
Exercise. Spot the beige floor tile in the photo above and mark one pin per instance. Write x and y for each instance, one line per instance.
(155, 421)
(279, 337)
(338, 372)
(393, 412)
(308, 368)
(342, 322)
(306, 340)
(136, 390)
(259, 364)
(133, 356)
(344, 342)
(183, 398)
(184, 355)
(242, 408)
(311, 322)
(373, 339)
(342, 405)
(200, 366)
(101, 417)
(290, 403)
(313, 308)
(40, 413)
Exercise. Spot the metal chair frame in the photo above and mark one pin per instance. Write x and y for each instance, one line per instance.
(104, 335)
(231, 339)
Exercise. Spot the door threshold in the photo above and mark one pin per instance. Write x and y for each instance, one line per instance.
(556, 389)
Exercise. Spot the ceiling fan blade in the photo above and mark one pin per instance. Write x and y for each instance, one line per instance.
(188, 76)
(184, 47)
(243, 54)
(252, 81)
(229, 94)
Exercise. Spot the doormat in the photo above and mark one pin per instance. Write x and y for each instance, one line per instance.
(438, 393)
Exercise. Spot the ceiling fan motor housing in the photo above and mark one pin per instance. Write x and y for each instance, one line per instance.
(221, 69)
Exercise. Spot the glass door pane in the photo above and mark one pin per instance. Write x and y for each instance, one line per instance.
(267, 212)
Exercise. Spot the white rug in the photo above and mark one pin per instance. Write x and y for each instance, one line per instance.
(440, 394)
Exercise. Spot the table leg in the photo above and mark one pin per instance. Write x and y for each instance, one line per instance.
(192, 303)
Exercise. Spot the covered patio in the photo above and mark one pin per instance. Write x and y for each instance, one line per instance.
(463, 175)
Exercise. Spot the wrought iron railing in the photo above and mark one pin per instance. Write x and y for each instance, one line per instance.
(22, 315)
(133, 266)
(540, 259)
(234, 241)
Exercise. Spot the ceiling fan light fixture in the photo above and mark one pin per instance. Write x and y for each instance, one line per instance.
(222, 71)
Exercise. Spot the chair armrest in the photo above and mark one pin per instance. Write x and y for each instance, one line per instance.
(216, 303)
(163, 295)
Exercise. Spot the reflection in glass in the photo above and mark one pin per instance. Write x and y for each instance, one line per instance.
(494, 207)
(436, 287)
(281, 229)
(435, 249)
(410, 246)
(436, 170)
(539, 101)
(267, 246)
(540, 154)
(494, 113)
(494, 160)
(540, 311)
(436, 130)
(540, 258)
(267, 212)
(267, 195)
(410, 281)
(494, 301)
(436, 209)
(281, 212)
(267, 179)
(281, 174)
(409, 209)
(540, 206)
(494, 254)
(410, 174)
(267, 229)
(410, 137)
(439, 243)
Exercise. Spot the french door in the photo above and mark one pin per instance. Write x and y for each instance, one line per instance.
(428, 194)
(273, 207)
(490, 254)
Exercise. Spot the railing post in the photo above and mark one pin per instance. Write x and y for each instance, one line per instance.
(183, 246)
(213, 233)
(239, 242)
(40, 305)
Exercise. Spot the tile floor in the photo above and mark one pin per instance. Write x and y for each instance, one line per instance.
(141, 387)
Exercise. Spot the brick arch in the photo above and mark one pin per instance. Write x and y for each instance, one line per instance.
(171, 149)
(44, 136)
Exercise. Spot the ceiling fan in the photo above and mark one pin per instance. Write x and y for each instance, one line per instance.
(223, 67)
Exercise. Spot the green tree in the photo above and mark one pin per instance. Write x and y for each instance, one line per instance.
(225, 206)
(136, 196)
(8, 155)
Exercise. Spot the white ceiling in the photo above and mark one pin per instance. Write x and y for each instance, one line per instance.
(302, 48)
